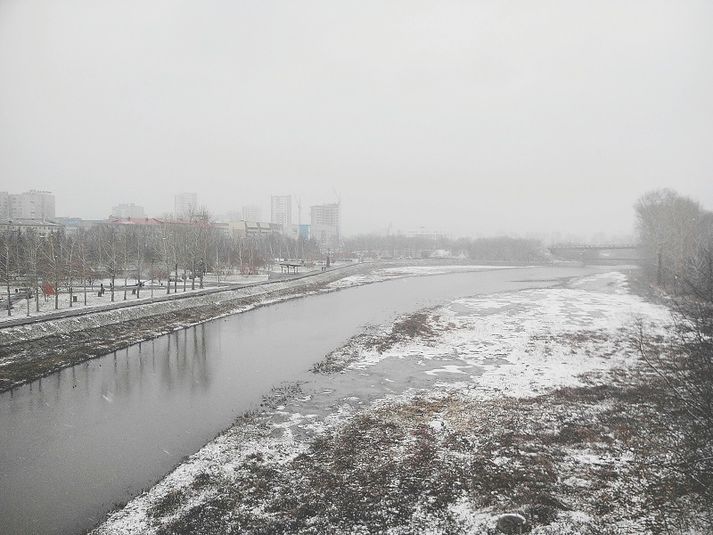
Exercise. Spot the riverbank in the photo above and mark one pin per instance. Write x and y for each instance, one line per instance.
(42, 347)
(45, 345)
(531, 402)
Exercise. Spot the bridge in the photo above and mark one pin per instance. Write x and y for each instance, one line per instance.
(596, 253)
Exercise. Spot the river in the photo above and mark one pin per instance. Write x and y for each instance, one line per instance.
(76, 443)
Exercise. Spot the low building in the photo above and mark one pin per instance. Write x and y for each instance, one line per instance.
(425, 234)
(139, 222)
(247, 229)
(73, 225)
(43, 228)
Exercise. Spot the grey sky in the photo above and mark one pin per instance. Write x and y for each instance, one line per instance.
(470, 117)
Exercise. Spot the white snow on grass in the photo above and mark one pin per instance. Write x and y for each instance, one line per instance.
(524, 343)
(518, 344)
(46, 305)
(219, 458)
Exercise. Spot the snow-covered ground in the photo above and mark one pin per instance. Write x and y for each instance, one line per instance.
(490, 341)
(205, 307)
(430, 425)
(93, 300)
(397, 272)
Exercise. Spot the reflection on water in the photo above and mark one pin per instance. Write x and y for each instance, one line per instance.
(81, 440)
(67, 429)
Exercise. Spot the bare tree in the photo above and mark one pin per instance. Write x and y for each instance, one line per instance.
(125, 247)
(32, 245)
(108, 242)
(670, 232)
(7, 261)
(165, 239)
(676, 237)
(54, 255)
(70, 268)
(83, 261)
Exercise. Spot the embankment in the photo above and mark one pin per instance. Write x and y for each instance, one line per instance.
(38, 348)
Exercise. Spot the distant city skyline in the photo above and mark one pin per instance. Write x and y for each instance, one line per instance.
(255, 213)
(262, 208)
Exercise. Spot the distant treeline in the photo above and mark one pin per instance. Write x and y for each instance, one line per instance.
(676, 240)
(500, 249)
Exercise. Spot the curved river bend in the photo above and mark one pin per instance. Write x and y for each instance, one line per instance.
(74, 444)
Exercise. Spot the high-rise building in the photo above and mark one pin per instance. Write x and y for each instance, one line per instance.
(252, 213)
(281, 210)
(33, 204)
(325, 225)
(4, 205)
(128, 211)
(185, 204)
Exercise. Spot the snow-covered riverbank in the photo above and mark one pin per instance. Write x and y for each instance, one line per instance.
(36, 349)
(47, 343)
(520, 401)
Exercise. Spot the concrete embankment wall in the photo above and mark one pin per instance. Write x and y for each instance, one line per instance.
(66, 322)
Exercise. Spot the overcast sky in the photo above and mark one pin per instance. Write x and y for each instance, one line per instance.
(474, 117)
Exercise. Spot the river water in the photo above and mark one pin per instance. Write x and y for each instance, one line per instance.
(76, 443)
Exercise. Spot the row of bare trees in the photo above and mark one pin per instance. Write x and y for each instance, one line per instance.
(497, 249)
(129, 255)
(676, 238)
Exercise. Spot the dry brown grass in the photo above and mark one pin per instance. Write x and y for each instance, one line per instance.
(389, 466)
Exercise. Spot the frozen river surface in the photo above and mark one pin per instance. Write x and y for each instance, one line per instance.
(80, 441)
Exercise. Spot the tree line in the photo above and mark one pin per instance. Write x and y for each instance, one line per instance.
(497, 249)
(676, 240)
(175, 254)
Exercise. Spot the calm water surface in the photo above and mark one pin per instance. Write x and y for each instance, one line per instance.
(74, 444)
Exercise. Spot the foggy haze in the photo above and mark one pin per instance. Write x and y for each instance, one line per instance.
(464, 117)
